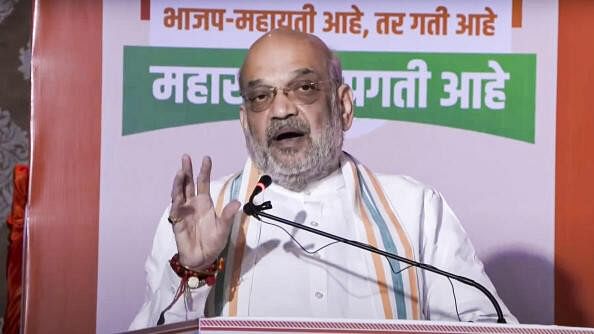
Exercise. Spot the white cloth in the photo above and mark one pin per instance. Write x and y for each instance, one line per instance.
(278, 278)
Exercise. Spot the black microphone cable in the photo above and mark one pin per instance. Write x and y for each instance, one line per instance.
(387, 259)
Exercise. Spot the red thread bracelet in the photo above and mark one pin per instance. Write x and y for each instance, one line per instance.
(196, 279)
(191, 279)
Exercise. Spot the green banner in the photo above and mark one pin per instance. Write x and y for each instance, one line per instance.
(489, 93)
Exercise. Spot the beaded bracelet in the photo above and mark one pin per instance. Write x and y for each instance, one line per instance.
(196, 279)
(191, 279)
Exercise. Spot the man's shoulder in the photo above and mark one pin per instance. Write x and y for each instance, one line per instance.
(402, 183)
(405, 192)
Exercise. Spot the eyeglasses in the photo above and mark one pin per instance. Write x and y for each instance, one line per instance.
(302, 92)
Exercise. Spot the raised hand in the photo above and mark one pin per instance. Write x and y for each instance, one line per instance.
(200, 234)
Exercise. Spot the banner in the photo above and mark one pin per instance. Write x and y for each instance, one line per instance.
(455, 26)
(491, 93)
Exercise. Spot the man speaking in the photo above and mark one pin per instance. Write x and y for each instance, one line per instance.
(210, 259)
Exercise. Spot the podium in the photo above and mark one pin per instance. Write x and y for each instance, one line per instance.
(308, 325)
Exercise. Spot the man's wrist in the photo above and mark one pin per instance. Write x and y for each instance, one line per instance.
(202, 266)
(199, 276)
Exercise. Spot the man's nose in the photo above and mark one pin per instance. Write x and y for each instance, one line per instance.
(282, 107)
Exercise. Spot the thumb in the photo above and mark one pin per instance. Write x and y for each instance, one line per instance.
(229, 212)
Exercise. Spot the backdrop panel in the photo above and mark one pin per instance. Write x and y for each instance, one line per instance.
(61, 228)
(470, 111)
(491, 154)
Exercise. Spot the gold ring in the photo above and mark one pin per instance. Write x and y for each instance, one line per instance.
(174, 220)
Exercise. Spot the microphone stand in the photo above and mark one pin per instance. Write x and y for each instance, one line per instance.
(258, 210)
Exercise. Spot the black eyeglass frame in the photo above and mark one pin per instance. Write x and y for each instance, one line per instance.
(270, 92)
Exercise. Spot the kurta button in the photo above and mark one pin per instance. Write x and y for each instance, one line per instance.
(314, 224)
(319, 295)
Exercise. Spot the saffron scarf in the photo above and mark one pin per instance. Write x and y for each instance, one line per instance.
(398, 286)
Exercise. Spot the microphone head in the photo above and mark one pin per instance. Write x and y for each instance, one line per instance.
(250, 208)
(265, 180)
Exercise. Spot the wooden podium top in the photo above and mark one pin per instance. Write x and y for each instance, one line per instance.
(300, 325)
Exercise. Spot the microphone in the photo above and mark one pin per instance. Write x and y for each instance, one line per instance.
(252, 209)
(263, 183)
(256, 211)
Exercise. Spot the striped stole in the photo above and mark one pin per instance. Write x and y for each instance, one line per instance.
(398, 286)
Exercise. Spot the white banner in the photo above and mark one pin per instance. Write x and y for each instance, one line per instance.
(453, 26)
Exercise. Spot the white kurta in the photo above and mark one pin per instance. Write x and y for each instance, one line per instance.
(278, 278)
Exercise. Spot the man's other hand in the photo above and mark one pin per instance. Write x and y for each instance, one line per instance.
(200, 234)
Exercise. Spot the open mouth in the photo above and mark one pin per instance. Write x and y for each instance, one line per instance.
(288, 133)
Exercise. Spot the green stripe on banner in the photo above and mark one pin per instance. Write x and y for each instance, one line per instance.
(489, 93)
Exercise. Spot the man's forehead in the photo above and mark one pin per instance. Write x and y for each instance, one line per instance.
(296, 74)
(285, 54)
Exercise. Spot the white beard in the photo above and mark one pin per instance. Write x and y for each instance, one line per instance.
(321, 158)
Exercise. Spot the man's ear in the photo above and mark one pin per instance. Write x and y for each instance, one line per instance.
(345, 98)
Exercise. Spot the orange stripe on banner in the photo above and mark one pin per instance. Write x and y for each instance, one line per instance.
(145, 10)
(412, 272)
(377, 260)
(60, 279)
(239, 249)
(574, 171)
(516, 13)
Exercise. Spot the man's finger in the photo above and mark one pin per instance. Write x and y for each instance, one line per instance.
(203, 180)
(177, 194)
(189, 189)
(226, 219)
(229, 212)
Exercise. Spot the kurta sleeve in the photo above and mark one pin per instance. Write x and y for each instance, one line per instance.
(446, 246)
(162, 282)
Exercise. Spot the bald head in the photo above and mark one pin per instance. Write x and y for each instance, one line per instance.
(283, 35)
(277, 46)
